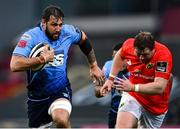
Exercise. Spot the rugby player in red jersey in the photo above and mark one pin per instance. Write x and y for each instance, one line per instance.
(144, 102)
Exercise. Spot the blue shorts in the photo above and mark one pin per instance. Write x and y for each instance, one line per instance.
(112, 119)
(38, 107)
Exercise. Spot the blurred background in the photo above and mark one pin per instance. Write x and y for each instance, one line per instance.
(107, 22)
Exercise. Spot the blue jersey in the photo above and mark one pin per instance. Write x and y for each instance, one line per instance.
(116, 96)
(53, 77)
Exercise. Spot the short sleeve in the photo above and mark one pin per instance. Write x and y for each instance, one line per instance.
(77, 35)
(127, 45)
(24, 45)
(74, 33)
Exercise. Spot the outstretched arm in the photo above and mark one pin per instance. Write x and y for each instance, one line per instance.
(118, 65)
(156, 87)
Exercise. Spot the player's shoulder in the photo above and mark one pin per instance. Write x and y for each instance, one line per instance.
(66, 28)
(161, 48)
(128, 42)
(161, 45)
(108, 62)
(35, 31)
(162, 53)
(128, 46)
(107, 68)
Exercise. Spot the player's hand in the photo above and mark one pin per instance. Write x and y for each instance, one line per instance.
(97, 75)
(48, 53)
(123, 84)
(106, 88)
(97, 91)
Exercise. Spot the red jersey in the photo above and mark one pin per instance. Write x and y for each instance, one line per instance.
(160, 65)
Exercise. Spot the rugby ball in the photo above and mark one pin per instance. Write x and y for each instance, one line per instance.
(35, 52)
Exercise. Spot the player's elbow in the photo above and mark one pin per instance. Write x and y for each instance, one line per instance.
(13, 67)
(16, 64)
(160, 89)
(160, 85)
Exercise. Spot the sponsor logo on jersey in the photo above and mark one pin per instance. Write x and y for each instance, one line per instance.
(58, 59)
(161, 66)
(26, 36)
(149, 66)
(22, 43)
(142, 76)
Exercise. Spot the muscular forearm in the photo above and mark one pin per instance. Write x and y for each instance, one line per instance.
(22, 63)
(91, 58)
(156, 87)
(87, 49)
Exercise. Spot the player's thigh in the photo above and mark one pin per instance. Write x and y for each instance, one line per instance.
(149, 120)
(129, 112)
(38, 112)
(126, 120)
(60, 109)
(112, 119)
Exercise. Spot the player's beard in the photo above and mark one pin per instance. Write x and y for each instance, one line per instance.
(52, 36)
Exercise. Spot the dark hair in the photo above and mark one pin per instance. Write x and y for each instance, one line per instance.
(144, 40)
(52, 10)
(117, 47)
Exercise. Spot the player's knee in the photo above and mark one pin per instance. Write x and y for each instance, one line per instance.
(60, 121)
(123, 125)
(60, 111)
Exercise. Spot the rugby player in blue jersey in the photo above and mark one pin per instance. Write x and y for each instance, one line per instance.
(49, 90)
(115, 95)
